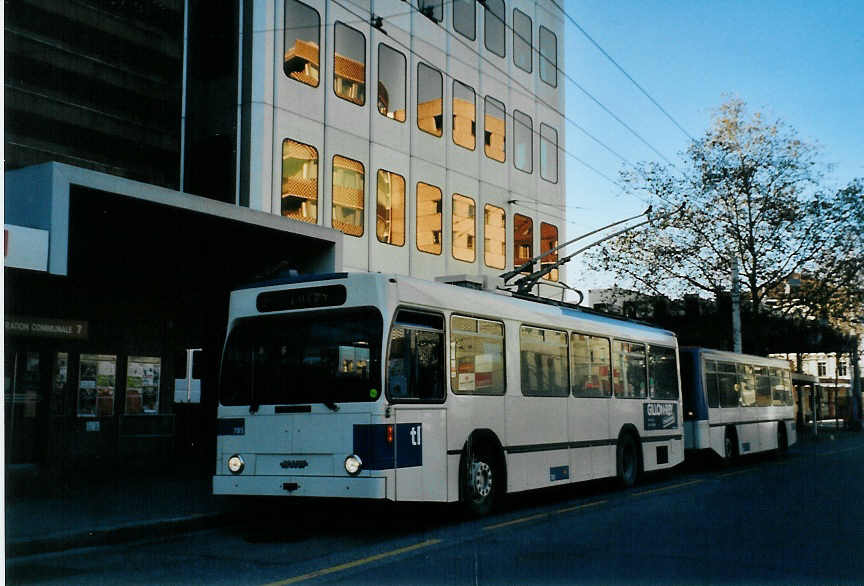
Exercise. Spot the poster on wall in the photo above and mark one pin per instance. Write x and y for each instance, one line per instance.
(142, 385)
(97, 374)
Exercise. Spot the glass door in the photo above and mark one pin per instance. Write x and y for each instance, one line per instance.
(24, 396)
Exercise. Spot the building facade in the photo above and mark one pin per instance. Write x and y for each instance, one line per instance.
(160, 154)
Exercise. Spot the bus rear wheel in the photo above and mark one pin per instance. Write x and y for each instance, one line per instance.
(482, 481)
(782, 441)
(730, 445)
(628, 461)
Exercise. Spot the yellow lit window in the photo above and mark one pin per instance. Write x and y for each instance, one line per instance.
(390, 209)
(348, 195)
(464, 230)
(548, 241)
(494, 237)
(429, 203)
(299, 181)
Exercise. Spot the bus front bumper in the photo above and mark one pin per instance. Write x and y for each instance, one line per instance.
(364, 487)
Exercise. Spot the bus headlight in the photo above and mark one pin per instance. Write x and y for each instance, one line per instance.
(353, 463)
(236, 464)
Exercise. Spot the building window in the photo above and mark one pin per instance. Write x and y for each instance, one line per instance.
(429, 214)
(349, 64)
(478, 354)
(548, 153)
(821, 369)
(590, 366)
(522, 37)
(430, 100)
(523, 240)
(464, 18)
(391, 83)
(523, 142)
(302, 42)
(348, 195)
(548, 56)
(548, 241)
(543, 358)
(841, 369)
(494, 26)
(142, 385)
(464, 121)
(629, 373)
(299, 181)
(494, 129)
(431, 9)
(464, 228)
(96, 383)
(494, 237)
(390, 210)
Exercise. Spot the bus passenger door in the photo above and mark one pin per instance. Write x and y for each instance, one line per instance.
(416, 388)
(592, 454)
(421, 453)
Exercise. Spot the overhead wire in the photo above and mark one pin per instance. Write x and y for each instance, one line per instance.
(622, 70)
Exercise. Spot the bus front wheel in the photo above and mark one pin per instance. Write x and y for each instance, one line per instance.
(482, 481)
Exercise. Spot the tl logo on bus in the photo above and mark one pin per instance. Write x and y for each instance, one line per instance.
(416, 434)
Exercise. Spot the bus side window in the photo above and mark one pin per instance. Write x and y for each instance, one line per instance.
(415, 363)
(428, 379)
(712, 383)
(663, 373)
(398, 365)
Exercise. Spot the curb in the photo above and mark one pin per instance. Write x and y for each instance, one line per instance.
(133, 531)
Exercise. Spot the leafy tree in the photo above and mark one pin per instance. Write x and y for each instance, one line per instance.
(751, 190)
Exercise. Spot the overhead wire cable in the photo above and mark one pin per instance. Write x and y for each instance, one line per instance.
(622, 70)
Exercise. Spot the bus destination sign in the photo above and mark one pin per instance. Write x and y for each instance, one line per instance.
(306, 298)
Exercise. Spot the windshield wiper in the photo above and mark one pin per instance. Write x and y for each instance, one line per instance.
(331, 405)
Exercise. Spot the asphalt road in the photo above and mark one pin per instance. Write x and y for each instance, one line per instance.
(795, 519)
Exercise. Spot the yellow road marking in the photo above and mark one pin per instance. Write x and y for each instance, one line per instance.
(578, 507)
(516, 521)
(355, 563)
(540, 516)
(737, 472)
(665, 488)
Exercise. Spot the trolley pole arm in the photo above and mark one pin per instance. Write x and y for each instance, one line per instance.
(528, 281)
(527, 264)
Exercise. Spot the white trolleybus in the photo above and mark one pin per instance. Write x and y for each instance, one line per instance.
(736, 404)
(389, 387)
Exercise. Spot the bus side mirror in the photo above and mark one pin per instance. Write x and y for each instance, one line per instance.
(188, 389)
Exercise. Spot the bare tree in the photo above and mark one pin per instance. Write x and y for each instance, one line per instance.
(752, 191)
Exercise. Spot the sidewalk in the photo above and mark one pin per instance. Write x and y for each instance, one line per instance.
(109, 511)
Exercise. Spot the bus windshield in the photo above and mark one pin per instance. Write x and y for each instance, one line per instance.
(315, 357)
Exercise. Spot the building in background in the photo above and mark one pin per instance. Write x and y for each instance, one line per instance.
(161, 153)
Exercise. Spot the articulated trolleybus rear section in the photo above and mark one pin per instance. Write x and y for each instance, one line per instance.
(736, 404)
(384, 387)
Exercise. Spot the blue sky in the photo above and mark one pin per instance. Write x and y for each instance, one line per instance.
(799, 61)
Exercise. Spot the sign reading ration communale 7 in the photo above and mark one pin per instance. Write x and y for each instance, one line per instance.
(45, 327)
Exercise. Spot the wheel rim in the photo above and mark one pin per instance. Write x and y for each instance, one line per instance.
(481, 480)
